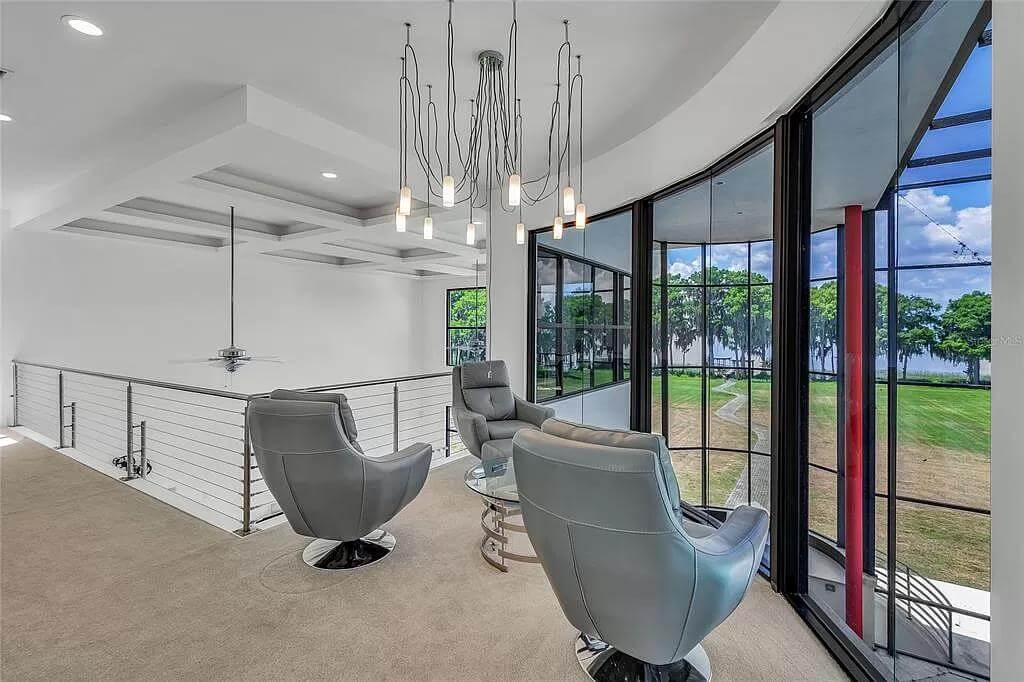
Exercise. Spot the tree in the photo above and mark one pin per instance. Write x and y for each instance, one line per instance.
(824, 327)
(965, 332)
(916, 324)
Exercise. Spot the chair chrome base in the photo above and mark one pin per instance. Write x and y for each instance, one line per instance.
(333, 555)
(604, 663)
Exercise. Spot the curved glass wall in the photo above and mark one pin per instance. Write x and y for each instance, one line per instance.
(901, 199)
(711, 329)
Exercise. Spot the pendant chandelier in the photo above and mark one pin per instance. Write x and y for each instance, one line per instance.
(465, 167)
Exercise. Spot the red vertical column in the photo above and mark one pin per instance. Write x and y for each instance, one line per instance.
(853, 397)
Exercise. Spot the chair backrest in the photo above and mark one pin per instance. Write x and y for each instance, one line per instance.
(309, 465)
(636, 440)
(348, 420)
(618, 559)
(484, 388)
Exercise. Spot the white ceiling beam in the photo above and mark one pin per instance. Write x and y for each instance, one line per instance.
(299, 262)
(300, 212)
(190, 145)
(160, 215)
(99, 228)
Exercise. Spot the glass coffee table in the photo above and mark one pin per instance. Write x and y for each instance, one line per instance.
(505, 539)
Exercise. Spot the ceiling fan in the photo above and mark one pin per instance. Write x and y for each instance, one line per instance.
(232, 358)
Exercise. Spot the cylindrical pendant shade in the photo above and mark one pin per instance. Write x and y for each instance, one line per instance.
(399, 220)
(448, 191)
(556, 231)
(581, 216)
(568, 200)
(520, 233)
(471, 234)
(405, 200)
(514, 190)
(428, 228)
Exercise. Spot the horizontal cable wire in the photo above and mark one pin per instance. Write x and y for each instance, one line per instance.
(185, 414)
(151, 417)
(233, 465)
(162, 455)
(93, 398)
(161, 468)
(185, 402)
(115, 393)
(103, 438)
(96, 419)
(193, 440)
(37, 405)
(160, 460)
(201, 442)
(110, 385)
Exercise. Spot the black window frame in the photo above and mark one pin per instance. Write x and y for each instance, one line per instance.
(620, 332)
(448, 322)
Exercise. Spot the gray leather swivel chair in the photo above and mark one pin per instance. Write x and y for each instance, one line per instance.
(642, 585)
(307, 453)
(487, 413)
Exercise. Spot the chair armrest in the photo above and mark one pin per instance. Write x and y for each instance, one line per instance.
(393, 481)
(533, 413)
(472, 429)
(745, 524)
(726, 563)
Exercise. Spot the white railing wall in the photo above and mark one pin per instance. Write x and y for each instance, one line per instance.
(188, 445)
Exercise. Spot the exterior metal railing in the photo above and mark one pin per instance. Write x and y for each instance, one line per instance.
(189, 445)
(921, 601)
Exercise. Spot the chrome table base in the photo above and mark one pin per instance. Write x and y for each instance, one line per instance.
(499, 546)
(335, 555)
(604, 663)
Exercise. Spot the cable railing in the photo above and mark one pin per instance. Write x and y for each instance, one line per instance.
(921, 601)
(189, 445)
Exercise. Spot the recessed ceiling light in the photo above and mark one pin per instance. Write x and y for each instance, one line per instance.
(330, 175)
(82, 25)
(5, 118)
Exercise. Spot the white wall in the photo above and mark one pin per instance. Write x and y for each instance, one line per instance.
(130, 308)
(1007, 340)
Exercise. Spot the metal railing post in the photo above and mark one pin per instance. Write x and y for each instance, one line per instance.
(142, 449)
(74, 424)
(910, 604)
(246, 476)
(949, 631)
(447, 430)
(60, 410)
(130, 450)
(14, 396)
(396, 418)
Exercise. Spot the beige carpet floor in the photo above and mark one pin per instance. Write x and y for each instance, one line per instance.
(98, 581)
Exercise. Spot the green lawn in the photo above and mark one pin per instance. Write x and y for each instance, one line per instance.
(943, 435)
(578, 379)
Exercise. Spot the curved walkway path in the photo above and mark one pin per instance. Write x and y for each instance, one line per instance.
(760, 472)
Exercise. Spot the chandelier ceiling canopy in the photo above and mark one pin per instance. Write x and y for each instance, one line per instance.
(481, 149)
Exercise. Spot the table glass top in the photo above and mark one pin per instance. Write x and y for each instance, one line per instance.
(494, 478)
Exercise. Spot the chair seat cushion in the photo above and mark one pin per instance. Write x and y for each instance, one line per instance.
(507, 428)
(496, 449)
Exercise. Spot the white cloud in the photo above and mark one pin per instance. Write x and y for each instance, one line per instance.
(684, 268)
(942, 227)
(918, 207)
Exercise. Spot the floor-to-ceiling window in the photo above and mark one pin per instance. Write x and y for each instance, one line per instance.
(711, 326)
(898, 345)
